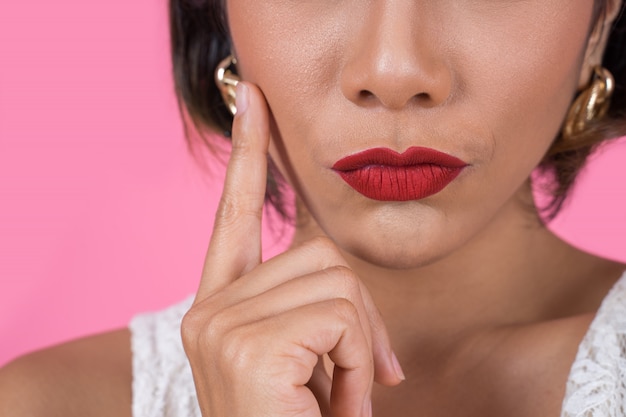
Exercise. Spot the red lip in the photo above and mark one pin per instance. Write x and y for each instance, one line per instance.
(385, 175)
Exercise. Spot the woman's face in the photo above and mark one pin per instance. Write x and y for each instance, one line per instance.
(486, 81)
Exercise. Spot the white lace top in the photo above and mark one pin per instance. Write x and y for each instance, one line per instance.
(163, 385)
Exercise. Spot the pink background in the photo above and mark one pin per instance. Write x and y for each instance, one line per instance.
(103, 213)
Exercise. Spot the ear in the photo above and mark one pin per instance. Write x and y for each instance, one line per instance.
(598, 39)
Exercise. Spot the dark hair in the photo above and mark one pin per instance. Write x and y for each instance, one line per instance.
(566, 158)
(200, 40)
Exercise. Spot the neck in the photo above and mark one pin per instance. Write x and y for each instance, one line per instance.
(514, 272)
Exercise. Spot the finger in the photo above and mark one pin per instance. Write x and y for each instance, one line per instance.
(331, 327)
(354, 373)
(322, 274)
(386, 366)
(319, 286)
(235, 246)
(320, 385)
(310, 257)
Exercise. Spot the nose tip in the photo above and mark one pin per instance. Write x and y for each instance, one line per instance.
(391, 64)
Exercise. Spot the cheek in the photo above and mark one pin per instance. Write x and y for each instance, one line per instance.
(517, 91)
(287, 50)
(292, 52)
(521, 74)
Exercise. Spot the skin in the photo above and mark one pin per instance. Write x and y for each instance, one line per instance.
(482, 306)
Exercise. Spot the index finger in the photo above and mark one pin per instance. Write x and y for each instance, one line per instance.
(235, 246)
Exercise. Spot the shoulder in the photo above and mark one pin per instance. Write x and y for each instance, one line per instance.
(86, 377)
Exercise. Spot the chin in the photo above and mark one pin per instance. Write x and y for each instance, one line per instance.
(399, 256)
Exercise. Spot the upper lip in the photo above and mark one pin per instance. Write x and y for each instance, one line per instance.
(388, 157)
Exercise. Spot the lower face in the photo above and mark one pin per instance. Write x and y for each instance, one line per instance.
(487, 82)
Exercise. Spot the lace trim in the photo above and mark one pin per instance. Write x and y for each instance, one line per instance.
(597, 382)
(162, 380)
(163, 383)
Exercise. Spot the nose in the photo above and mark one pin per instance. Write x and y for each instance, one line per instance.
(394, 61)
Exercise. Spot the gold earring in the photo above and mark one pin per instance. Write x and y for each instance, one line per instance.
(227, 82)
(591, 104)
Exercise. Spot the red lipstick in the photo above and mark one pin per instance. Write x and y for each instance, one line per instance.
(385, 175)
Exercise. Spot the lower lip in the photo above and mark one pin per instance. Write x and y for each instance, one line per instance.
(385, 175)
(404, 183)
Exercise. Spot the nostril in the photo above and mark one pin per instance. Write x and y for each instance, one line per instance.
(365, 95)
(367, 98)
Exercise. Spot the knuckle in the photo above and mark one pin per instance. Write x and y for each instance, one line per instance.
(346, 311)
(214, 335)
(347, 281)
(241, 147)
(203, 328)
(228, 207)
(190, 327)
(322, 243)
(324, 250)
(233, 207)
(240, 350)
(215, 327)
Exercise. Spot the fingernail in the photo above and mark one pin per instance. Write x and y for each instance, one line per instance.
(397, 367)
(242, 98)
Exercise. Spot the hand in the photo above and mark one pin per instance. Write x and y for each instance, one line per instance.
(256, 332)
